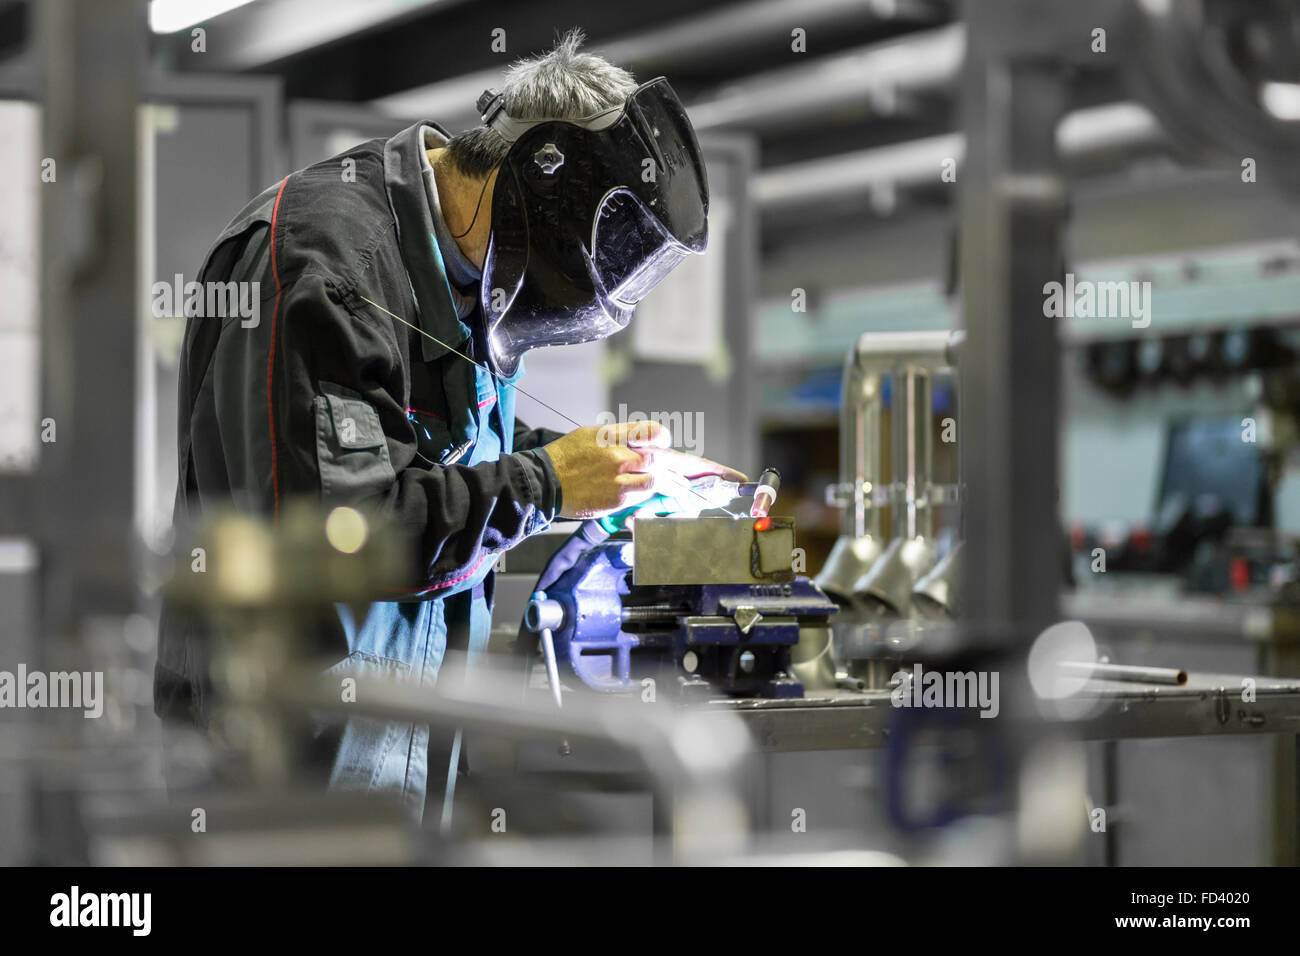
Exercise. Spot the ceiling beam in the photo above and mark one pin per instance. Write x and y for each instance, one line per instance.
(677, 44)
(259, 34)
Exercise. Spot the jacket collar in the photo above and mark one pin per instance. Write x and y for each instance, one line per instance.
(404, 180)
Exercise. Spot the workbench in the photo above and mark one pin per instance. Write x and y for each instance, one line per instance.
(1206, 704)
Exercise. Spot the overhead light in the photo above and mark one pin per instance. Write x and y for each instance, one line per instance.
(168, 16)
(1281, 100)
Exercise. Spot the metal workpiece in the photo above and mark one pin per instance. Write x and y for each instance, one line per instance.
(862, 404)
(913, 450)
(887, 587)
(926, 350)
(937, 595)
(861, 573)
(849, 560)
(725, 550)
(693, 495)
(813, 659)
(874, 357)
(859, 543)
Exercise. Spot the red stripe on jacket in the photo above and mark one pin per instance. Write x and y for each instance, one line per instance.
(270, 357)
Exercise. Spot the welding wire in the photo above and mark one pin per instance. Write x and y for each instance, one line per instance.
(485, 368)
(1126, 672)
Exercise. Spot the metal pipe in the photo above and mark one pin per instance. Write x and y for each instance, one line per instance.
(913, 451)
(885, 351)
(886, 588)
(694, 758)
(937, 596)
(881, 74)
(920, 61)
(1095, 130)
(862, 410)
(873, 356)
(860, 542)
(862, 407)
(653, 614)
(1126, 672)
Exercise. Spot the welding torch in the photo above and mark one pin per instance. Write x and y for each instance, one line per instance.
(712, 491)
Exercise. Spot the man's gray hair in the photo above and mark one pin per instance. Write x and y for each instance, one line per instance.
(561, 84)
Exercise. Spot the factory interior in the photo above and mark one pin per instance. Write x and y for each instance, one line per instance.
(992, 559)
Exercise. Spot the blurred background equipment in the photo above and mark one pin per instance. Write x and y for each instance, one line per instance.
(894, 185)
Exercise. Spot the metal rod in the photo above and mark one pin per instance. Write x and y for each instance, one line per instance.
(1126, 672)
(912, 451)
(552, 669)
(652, 612)
(860, 416)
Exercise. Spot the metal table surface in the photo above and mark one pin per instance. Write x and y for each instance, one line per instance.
(1104, 710)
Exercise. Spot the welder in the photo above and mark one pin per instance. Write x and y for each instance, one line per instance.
(404, 280)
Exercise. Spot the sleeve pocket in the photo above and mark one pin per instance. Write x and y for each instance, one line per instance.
(351, 451)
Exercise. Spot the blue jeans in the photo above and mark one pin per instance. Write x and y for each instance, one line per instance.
(407, 641)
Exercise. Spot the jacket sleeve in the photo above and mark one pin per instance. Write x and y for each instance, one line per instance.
(315, 406)
(526, 438)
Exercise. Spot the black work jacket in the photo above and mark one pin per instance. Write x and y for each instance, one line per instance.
(333, 392)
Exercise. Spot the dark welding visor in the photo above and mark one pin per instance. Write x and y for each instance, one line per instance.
(587, 217)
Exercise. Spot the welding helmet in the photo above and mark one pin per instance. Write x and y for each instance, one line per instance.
(588, 216)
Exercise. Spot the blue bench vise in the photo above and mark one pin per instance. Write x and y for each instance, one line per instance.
(703, 606)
